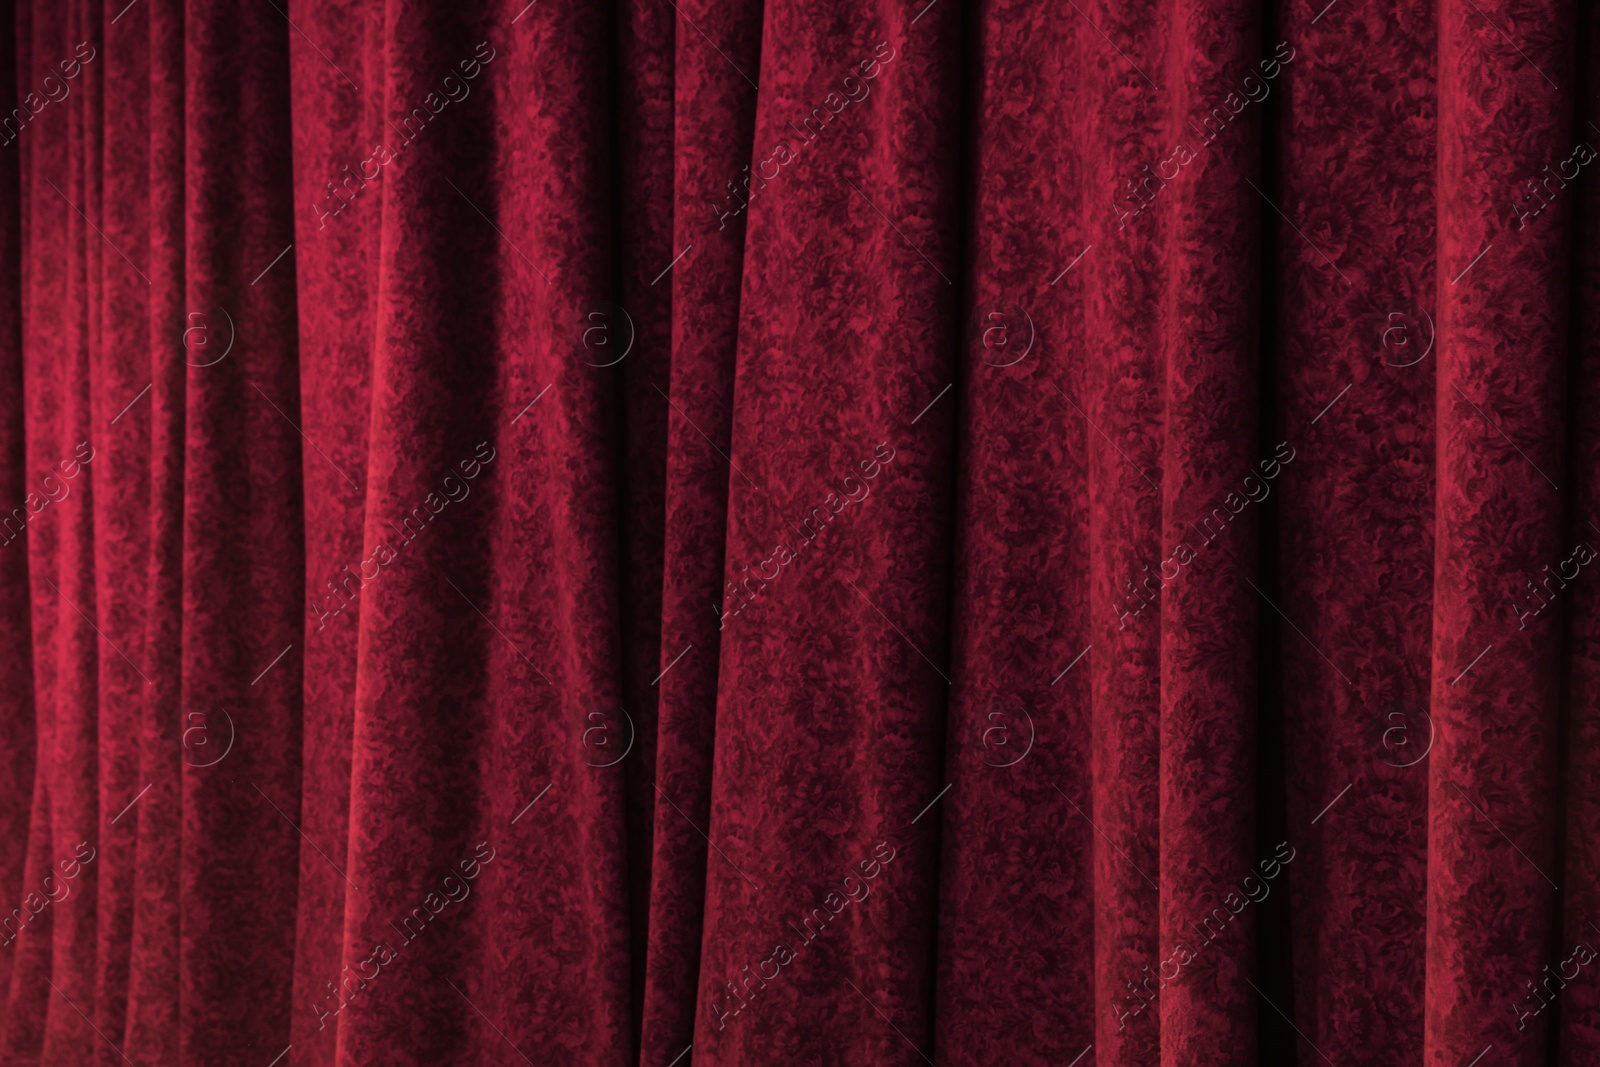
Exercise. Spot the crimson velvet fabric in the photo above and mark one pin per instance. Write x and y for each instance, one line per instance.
(799, 531)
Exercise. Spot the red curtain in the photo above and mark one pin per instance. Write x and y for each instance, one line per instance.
(816, 532)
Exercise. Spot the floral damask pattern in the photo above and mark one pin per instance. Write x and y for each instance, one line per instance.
(655, 533)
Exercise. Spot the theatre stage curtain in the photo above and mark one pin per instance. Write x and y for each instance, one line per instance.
(669, 532)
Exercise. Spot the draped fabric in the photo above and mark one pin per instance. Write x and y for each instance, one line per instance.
(670, 532)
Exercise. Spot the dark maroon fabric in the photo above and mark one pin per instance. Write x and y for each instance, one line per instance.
(672, 533)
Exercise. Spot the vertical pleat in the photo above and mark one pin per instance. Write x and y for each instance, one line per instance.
(1016, 751)
(1355, 404)
(558, 977)
(1119, 416)
(1210, 454)
(79, 644)
(419, 704)
(716, 47)
(834, 672)
(17, 740)
(1578, 1034)
(1492, 886)
(340, 144)
(154, 997)
(493, 630)
(243, 533)
(120, 376)
(643, 187)
(560, 557)
(28, 933)
(59, 974)
(515, 536)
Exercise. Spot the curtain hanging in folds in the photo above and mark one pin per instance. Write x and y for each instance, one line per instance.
(667, 532)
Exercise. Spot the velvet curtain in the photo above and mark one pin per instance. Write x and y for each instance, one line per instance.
(669, 532)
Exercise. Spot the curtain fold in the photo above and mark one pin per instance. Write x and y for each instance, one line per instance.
(665, 532)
